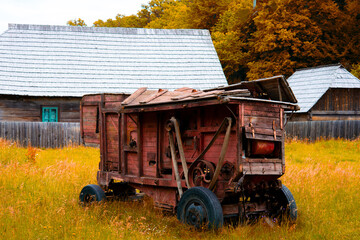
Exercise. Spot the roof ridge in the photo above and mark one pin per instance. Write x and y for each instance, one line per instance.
(321, 66)
(109, 30)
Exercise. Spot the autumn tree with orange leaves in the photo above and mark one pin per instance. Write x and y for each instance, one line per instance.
(275, 37)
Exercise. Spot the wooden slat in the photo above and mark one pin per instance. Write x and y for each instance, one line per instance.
(40, 134)
(154, 96)
(133, 96)
(314, 130)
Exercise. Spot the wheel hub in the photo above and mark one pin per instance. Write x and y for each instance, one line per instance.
(195, 215)
(89, 198)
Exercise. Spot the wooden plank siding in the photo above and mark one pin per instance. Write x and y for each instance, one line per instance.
(339, 100)
(335, 104)
(315, 130)
(28, 109)
(92, 107)
(41, 134)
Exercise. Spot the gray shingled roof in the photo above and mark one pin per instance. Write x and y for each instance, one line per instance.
(38, 60)
(310, 84)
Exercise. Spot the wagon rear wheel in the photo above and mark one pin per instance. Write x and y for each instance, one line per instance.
(91, 193)
(200, 207)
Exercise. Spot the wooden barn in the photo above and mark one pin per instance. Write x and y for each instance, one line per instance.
(45, 70)
(326, 93)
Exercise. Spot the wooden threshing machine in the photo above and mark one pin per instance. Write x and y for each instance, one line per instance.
(205, 155)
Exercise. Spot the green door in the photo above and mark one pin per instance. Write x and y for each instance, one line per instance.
(49, 114)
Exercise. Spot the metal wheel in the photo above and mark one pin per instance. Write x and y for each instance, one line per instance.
(91, 193)
(199, 207)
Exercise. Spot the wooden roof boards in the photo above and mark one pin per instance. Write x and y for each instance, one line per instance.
(44, 60)
(150, 100)
(273, 88)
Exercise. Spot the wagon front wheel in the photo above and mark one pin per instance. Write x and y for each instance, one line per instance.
(91, 193)
(285, 205)
(200, 207)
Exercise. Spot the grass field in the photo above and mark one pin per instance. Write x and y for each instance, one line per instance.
(39, 198)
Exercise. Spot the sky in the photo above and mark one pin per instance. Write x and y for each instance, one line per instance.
(58, 12)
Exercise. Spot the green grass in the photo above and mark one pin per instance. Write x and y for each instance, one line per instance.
(39, 198)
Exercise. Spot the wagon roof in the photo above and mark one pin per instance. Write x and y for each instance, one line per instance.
(274, 88)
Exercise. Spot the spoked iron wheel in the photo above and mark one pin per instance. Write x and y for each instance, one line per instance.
(199, 207)
(201, 173)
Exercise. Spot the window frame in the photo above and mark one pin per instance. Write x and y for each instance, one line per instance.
(43, 108)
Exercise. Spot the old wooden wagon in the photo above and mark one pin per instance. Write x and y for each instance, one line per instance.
(205, 155)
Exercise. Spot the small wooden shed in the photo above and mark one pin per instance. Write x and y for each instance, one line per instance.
(326, 93)
(45, 70)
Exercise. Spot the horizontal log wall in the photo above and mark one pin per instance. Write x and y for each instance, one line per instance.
(314, 130)
(41, 134)
(29, 109)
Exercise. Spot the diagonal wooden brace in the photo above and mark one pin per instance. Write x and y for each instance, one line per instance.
(181, 150)
(222, 154)
(175, 166)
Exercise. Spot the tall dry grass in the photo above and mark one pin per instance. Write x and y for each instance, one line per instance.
(39, 198)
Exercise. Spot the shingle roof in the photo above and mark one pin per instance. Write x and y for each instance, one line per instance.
(39, 60)
(310, 84)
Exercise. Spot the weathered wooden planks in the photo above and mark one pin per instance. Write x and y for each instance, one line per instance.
(25, 108)
(41, 134)
(313, 130)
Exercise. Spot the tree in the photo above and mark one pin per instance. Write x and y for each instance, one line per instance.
(356, 70)
(204, 14)
(154, 10)
(174, 16)
(150, 12)
(283, 35)
(285, 38)
(275, 37)
(77, 22)
(120, 21)
(230, 36)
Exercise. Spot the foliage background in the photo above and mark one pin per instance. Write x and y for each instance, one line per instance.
(275, 37)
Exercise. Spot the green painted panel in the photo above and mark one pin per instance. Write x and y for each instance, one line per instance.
(49, 114)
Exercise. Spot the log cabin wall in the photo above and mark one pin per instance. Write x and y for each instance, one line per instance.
(338, 104)
(335, 104)
(29, 109)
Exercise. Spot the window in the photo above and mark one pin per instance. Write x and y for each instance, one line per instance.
(49, 114)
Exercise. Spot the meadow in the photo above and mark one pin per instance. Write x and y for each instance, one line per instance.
(39, 192)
